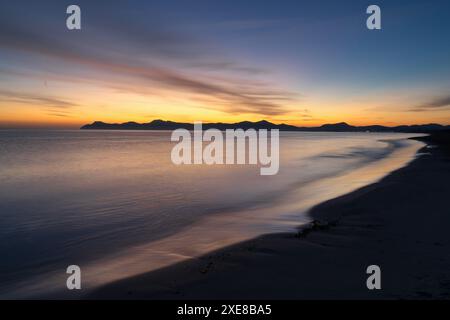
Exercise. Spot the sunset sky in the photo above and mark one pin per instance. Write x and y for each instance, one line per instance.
(298, 62)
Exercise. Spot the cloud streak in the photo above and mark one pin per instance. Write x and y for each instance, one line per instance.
(134, 54)
(433, 105)
(35, 99)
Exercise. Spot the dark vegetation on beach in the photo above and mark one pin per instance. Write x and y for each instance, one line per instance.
(336, 127)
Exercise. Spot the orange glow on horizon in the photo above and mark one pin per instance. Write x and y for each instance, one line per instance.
(100, 104)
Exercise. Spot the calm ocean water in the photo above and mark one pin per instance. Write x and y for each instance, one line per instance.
(113, 203)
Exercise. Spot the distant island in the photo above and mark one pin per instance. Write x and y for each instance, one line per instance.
(336, 127)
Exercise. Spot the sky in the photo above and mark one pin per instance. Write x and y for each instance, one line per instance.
(299, 62)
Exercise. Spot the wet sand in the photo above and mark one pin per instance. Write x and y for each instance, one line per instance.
(400, 223)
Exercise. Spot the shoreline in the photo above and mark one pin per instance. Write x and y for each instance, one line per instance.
(328, 260)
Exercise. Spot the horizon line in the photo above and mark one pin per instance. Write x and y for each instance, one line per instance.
(41, 126)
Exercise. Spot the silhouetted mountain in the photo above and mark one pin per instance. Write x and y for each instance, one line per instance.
(336, 127)
(341, 126)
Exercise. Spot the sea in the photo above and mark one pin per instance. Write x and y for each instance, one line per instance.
(114, 204)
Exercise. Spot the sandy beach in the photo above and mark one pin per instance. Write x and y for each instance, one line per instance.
(400, 224)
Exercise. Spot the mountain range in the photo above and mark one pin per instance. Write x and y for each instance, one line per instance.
(335, 127)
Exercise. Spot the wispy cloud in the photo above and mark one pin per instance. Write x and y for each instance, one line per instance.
(61, 115)
(440, 103)
(35, 99)
(306, 115)
(228, 66)
(145, 57)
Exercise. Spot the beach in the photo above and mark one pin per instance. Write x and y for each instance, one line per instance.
(399, 223)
